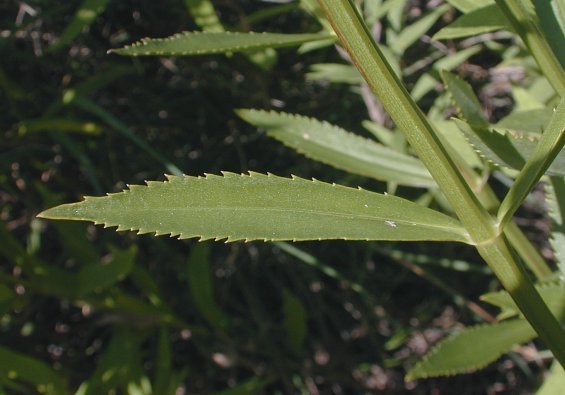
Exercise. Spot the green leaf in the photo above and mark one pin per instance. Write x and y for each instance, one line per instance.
(472, 349)
(295, 323)
(555, 199)
(554, 384)
(466, 6)
(98, 276)
(334, 146)
(508, 148)
(20, 368)
(334, 72)
(552, 293)
(261, 207)
(546, 150)
(531, 121)
(202, 287)
(464, 99)
(204, 15)
(84, 16)
(59, 125)
(478, 21)
(202, 43)
(412, 33)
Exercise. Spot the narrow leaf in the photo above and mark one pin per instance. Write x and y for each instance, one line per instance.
(334, 72)
(295, 317)
(202, 287)
(21, 368)
(552, 293)
(59, 125)
(412, 33)
(478, 21)
(550, 144)
(261, 207)
(334, 146)
(460, 353)
(202, 43)
(554, 384)
(84, 16)
(466, 6)
(464, 99)
(204, 15)
(556, 204)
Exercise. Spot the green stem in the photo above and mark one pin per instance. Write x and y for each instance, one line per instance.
(530, 32)
(367, 57)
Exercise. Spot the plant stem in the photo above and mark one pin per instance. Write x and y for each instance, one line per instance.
(493, 247)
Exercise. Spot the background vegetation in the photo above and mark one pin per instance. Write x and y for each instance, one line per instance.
(89, 311)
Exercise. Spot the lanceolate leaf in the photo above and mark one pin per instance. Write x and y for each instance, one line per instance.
(202, 43)
(552, 293)
(479, 21)
(336, 147)
(556, 203)
(472, 349)
(261, 207)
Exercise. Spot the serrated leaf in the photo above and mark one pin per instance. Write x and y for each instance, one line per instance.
(553, 294)
(508, 148)
(334, 146)
(203, 43)
(482, 20)
(261, 207)
(464, 99)
(472, 349)
(546, 150)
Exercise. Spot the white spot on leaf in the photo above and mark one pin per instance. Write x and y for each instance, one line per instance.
(392, 224)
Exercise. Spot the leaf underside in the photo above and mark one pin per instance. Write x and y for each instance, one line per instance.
(336, 147)
(203, 43)
(261, 207)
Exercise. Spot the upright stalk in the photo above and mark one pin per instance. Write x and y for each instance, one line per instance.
(492, 245)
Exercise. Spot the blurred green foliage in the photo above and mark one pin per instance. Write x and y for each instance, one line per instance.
(91, 312)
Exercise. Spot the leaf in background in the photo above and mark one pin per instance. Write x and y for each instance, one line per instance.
(531, 121)
(262, 207)
(202, 287)
(507, 148)
(471, 349)
(554, 384)
(466, 6)
(464, 99)
(199, 43)
(166, 381)
(97, 276)
(482, 20)
(548, 12)
(206, 18)
(19, 368)
(119, 367)
(412, 33)
(59, 125)
(204, 15)
(251, 386)
(552, 293)
(555, 199)
(295, 321)
(334, 146)
(550, 144)
(335, 72)
(87, 12)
